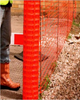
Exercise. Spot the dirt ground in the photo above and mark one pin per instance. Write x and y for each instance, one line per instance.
(17, 24)
(76, 25)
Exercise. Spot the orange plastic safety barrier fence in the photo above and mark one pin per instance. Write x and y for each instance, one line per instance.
(47, 24)
(56, 21)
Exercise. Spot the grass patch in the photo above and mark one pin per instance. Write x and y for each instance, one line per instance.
(74, 23)
(69, 37)
(40, 97)
(54, 64)
(46, 82)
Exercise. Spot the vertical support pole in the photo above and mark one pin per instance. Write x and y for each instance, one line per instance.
(74, 9)
(31, 49)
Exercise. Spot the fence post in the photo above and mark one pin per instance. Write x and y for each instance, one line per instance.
(31, 49)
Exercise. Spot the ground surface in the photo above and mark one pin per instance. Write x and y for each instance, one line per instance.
(65, 81)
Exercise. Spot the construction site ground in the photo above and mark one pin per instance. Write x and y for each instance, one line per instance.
(65, 81)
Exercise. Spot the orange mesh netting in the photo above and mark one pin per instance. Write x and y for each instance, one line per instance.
(47, 24)
(56, 21)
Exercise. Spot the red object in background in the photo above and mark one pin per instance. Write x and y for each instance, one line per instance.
(18, 39)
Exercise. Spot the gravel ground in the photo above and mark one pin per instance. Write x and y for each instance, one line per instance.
(65, 81)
